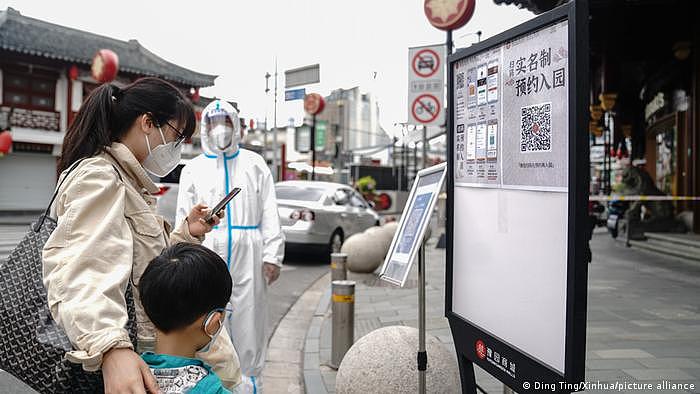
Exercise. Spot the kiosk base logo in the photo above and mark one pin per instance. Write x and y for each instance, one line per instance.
(480, 349)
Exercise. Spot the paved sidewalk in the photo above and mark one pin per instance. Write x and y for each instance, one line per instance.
(643, 318)
(283, 367)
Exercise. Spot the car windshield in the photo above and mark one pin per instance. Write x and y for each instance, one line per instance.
(298, 193)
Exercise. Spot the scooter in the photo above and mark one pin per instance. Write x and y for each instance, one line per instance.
(616, 211)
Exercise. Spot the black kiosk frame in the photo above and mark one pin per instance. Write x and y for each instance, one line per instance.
(466, 334)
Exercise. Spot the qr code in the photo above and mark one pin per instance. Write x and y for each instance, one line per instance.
(460, 80)
(536, 128)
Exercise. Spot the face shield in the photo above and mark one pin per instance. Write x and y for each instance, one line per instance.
(220, 130)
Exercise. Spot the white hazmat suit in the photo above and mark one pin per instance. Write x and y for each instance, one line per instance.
(250, 233)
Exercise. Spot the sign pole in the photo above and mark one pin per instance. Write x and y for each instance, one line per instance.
(313, 147)
(422, 354)
(448, 43)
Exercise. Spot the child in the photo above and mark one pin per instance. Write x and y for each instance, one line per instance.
(184, 292)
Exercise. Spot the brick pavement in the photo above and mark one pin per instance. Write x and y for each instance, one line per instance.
(643, 317)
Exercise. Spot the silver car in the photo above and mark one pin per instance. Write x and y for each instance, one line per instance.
(322, 214)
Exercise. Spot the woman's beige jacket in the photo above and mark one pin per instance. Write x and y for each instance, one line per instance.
(108, 231)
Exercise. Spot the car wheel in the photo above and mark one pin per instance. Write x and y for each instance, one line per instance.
(336, 242)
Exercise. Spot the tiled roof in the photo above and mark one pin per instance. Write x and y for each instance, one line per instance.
(31, 36)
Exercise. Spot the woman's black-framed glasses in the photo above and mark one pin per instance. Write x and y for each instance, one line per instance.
(180, 137)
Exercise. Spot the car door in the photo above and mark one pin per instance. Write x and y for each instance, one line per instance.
(344, 211)
(364, 219)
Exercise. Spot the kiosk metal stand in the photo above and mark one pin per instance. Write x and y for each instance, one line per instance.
(422, 354)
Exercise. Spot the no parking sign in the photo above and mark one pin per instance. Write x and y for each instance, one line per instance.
(426, 85)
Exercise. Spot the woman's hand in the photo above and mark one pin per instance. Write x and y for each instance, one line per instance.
(195, 220)
(124, 372)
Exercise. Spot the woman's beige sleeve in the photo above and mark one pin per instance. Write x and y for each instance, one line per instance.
(181, 233)
(87, 265)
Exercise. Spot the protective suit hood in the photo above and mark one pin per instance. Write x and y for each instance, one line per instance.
(220, 129)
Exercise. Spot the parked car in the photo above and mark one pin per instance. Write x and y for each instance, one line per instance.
(322, 214)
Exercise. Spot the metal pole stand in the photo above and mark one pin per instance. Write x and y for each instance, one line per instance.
(343, 323)
(422, 357)
(339, 266)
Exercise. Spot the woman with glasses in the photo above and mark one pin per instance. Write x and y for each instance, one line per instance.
(108, 230)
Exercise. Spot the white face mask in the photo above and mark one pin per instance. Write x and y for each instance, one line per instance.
(163, 158)
(225, 137)
(212, 337)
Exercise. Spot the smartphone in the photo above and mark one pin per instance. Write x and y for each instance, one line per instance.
(221, 205)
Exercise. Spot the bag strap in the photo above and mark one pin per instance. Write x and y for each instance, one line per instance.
(40, 222)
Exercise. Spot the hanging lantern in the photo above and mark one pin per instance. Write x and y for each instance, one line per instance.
(607, 100)
(194, 92)
(5, 143)
(596, 112)
(73, 72)
(105, 66)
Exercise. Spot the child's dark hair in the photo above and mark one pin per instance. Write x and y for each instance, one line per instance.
(109, 111)
(182, 284)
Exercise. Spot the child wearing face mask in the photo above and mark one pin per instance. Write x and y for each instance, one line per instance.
(184, 292)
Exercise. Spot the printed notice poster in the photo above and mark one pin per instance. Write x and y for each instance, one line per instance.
(414, 221)
(513, 131)
(535, 142)
(478, 79)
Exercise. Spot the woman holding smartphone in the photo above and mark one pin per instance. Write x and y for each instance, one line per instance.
(108, 230)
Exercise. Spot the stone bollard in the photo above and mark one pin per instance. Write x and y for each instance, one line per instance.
(343, 323)
(339, 269)
(384, 361)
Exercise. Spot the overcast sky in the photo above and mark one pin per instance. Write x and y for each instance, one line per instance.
(357, 43)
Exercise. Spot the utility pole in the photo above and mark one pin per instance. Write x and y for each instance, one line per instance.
(274, 131)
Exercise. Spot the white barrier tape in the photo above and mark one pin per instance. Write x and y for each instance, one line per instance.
(616, 197)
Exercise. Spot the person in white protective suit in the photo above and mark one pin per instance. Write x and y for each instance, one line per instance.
(249, 237)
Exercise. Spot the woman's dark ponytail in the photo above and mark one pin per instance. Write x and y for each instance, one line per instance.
(109, 111)
(90, 130)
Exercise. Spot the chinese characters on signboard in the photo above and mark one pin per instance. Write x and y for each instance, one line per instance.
(511, 114)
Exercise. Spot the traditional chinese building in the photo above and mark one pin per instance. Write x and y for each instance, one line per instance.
(44, 76)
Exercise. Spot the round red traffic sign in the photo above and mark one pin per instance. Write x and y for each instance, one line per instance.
(425, 63)
(313, 103)
(425, 108)
(449, 14)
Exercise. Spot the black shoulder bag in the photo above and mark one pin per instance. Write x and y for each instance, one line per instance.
(32, 345)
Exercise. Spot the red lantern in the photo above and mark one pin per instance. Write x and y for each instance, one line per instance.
(313, 103)
(251, 123)
(195, 95)
(105, 65)
(5, 143)
(73, 72)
